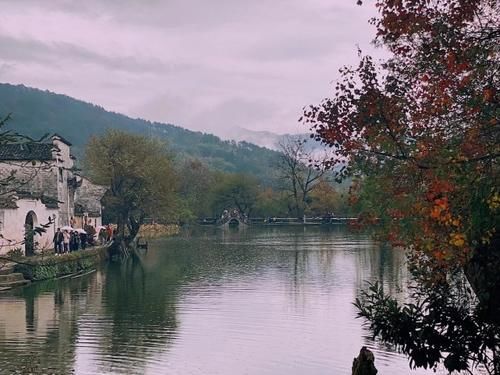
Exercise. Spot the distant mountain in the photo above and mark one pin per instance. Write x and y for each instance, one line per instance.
(36, 112)
(260, 138)
(268, 139)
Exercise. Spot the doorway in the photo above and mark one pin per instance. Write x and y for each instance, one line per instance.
(29, 234)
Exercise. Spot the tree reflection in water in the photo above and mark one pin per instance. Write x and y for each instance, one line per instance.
(142, 307)
(124, 314)
(247, 299)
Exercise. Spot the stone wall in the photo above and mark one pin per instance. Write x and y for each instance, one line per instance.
(51, 266)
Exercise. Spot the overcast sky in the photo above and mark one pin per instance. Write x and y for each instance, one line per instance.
(202, 64)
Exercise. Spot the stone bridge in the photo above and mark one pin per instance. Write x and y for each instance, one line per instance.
(232, 217)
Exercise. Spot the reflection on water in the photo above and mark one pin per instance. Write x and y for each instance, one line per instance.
(257, 301)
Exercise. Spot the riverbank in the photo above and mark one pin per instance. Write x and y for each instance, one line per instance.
(43, 267)
(158, 230)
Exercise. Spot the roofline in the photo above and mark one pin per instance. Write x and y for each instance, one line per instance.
(19, 151)
(89, 180)
(61, 138)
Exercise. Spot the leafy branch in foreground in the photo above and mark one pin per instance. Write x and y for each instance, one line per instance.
(441, 324)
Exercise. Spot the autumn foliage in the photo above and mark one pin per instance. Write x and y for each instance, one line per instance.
(420, 133)
(421, 129)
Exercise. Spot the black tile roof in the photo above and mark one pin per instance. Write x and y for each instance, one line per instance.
(7, 202)
(25, 151)
(49, 202)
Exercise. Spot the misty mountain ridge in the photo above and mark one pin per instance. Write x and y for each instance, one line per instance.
(261, 138)
(269, 139)
(36, 112)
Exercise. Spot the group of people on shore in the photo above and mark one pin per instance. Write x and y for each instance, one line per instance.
(66, 241)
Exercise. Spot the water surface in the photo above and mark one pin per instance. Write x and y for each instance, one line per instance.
(258, 301)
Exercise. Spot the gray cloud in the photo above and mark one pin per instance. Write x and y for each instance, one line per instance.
(239, 112)
(33, 51)
(206, 65)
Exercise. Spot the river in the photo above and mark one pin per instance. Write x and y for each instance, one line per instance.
(256, 301)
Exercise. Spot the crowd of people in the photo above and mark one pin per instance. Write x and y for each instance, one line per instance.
(68, 240)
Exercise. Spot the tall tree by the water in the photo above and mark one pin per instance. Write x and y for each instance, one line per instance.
(297, 174)
(140, 176)
(235, 191)
(420, 133)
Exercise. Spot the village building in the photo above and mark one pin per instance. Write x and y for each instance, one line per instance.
(45, 190)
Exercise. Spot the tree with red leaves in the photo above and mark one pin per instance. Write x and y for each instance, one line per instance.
(420, 133)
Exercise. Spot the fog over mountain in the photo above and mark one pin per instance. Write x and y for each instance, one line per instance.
(261, 138)
(269, 139)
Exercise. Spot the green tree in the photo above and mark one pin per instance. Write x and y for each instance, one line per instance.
(196, 182)
(325, 200)
(140, 176)
(235, 191)
(271, 203)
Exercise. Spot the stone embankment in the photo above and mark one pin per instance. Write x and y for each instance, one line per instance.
(12, 280)
(9, 278)
(23, 270)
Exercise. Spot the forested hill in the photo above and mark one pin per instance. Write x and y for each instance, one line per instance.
(36, 112)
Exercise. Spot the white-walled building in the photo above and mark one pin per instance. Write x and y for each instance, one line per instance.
(45, 188)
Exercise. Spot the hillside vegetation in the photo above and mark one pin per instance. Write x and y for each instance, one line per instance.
(36, 112)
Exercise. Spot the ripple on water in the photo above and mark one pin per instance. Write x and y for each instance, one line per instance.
(256, 302)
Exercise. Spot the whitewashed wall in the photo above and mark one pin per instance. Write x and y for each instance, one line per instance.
(12, 224)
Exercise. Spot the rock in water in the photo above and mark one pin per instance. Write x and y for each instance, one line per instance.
(364, 364)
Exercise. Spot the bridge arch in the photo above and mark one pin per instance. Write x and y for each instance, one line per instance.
(232, 217)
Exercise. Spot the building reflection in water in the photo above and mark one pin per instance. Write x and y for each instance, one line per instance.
(38, 325)
(99, 323)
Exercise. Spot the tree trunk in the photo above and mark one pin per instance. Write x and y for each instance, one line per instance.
(124, 243)
(483, 274)
(120, 241)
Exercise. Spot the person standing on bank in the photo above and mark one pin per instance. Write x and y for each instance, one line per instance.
(74, 241)
(83, 240)
(66, 238)
(58, 241)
